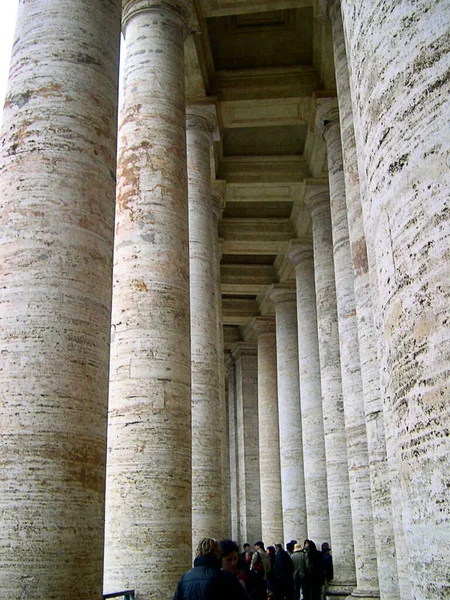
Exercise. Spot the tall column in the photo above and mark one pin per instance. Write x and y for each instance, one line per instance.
(381, 478)
(269, 436)
(57, 190)
(327, 117)
(406, 149)
(206, 420)
(314, 461)
(149, 445)
(249, 500)
(291, 445)
(218, 194)
(318, 201)
(233, 449)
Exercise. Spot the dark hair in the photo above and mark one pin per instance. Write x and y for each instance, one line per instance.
(312, 546)
(246, 545)
(227, 547)
(260, 544)
(271, 550)
(279, 546)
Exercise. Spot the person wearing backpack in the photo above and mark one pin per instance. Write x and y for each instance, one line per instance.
(260, 568)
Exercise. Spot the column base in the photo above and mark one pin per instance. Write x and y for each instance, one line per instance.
(364, 594)
(339, 590)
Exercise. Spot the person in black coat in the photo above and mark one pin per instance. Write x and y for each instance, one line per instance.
(206, 581)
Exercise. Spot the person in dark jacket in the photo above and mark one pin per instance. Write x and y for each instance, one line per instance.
(284, 574)
(315, 578)
(206, 581)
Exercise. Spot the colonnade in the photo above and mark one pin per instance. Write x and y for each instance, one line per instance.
(335, 422)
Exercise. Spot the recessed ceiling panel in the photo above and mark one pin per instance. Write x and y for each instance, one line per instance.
(280, 38)
(264, 141)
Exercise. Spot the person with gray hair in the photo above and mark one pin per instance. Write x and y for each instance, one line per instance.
(206, 580)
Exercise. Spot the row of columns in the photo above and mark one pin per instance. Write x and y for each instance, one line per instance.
(360, 450)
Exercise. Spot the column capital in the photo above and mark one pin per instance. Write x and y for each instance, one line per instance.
(327, 116)
(261, 325)
(282, 292)
(317, 197)
(203, 117)
(299, 252)
(179, 9)
(241, 349)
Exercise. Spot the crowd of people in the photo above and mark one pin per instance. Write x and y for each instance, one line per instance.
(221, 572)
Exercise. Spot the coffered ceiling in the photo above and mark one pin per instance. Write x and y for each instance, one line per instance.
(266, 64)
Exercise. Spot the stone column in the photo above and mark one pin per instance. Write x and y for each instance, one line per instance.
(406, 158)
(57, 190)
(301, 254)
(218, 194)
(318, 201)
(148, 515)
(249, 500)
(206, 419)
(291, 444)
(233, 449)
(269, 436)
(381, 477)
(327, 118)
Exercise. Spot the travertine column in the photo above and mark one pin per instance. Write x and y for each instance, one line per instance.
(406, 153)
(57, 192)
(206, 420)
(233, 448)
(381, 477)
(249, 500)
(218, 194)
(148, 515)
(318, 201)
(291, 445)
(269, 436)
(327, 118)
(301, 254)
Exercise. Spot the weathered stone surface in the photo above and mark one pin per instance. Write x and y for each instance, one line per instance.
(406, 149)
(218, 195)
(206, 420)
(57, 189)
(289, 413)
(149, 444)
(233, 443)
(352, 389)
(269, 436)
(384, 537)
(318, 201)
(314, 462)
(249, 495)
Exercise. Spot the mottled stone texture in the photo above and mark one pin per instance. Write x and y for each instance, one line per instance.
(233, 442)
(57, 191)
(149, 444)
(290, 420)
(269, 437)
(249, 497)
(206, 420)
(318, 202)
(370, 369)
(217, 195)
(315, 469)
(355, 427)
(406, 150)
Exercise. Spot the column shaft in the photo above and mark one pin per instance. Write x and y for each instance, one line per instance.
(355, 426)
(149, 445)
(233, 449)
(57, 191)
(330, 369)
(206, 423)
(385, 545)
(248, 445)
(269, 436)
(290, 420)
(406, 150)
(315, 468)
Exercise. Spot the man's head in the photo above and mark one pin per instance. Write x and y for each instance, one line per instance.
(326, 547)
(298, 548)
(278, 547)
(246, 547)
(259, 546)
(209, 547)
(229, 557)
